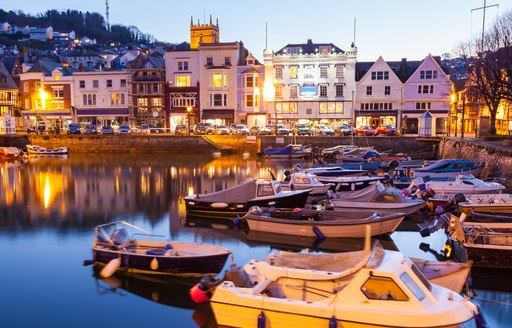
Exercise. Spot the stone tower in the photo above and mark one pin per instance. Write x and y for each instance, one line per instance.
(203, 33)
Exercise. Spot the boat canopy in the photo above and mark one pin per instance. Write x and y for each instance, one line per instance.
(237, 194)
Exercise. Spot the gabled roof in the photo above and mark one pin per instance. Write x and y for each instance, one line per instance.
(9, 82)
(403, 69)
(308, 48)
(47, 67)
(12, 64)
(142, 59)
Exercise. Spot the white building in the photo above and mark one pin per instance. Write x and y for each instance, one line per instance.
(101, 97)
(311, 82)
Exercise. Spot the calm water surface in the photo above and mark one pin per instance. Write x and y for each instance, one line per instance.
(49, 207)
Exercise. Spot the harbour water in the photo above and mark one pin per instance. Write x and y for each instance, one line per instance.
(49, 207)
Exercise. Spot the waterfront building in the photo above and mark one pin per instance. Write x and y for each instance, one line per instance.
(147, 92)
(46, 93)
(310, 83)
(8, 92)
(101, 97)
(251, 77)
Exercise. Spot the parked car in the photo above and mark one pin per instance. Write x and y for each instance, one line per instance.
(388, 130)
(124, 128)
(342, 129)
(74, 128)
(144, 129)
(209, 128)
(322, 130)
(301, 130)
(181, 130)
(90, 129)
(220, 129)
(366, 131)
(280, 130)
(156, 129)
(199, 128)
(106, 129)
(239, 129)
(259, 130)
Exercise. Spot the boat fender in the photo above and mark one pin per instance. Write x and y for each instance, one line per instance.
(110, 268)
(261, 320)
(154, 264)
(318, 233)
(480, 319)
(198, 295)
(333, 323)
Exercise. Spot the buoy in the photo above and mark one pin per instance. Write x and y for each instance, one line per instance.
(318, 233)
(198, 295)
(154, 264)
(261, 320)
(110, 268)
(333, 323)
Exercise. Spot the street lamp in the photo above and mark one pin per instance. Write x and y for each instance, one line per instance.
(43, 95)
(189, 112)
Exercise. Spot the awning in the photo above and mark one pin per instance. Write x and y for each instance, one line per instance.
(46, 113)
(218, 113)
(102, 112)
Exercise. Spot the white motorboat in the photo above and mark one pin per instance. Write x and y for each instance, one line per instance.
(356, 289)
(302, 181)
(448, 168)
(465, 184)
(38, 150)
(377, 198)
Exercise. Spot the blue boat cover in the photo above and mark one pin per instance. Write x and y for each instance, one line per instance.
(286, 150)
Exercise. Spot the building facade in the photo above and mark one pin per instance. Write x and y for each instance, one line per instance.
(101, 97)
(310, 83)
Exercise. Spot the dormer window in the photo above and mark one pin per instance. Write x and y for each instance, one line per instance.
(294, 50)
(250, 62)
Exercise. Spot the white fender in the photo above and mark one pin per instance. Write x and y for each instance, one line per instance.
(110, 268)
(219, 205)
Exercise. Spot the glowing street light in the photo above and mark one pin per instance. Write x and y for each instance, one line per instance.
(189, 112)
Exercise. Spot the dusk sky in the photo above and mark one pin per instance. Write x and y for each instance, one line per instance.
(394, 29)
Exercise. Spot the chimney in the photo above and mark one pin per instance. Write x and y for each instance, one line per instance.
(403, 69)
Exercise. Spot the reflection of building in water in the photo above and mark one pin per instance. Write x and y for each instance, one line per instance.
(10, 184)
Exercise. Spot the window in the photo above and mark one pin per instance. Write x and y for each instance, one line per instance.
(156, 102)
(123, 83)
(324, 50)
(27, 103)
(426, 88)
(422, 105)
(340, 71)
(117, 98)
(249, 101)
(323, 91)
(331, 107)
(413, 287)
(25, 86)
(209, 61)
(82, 84)
(249, 81)
(293, 91)
(387, 90)
(183, 66)
(428, 74)
(380, 75)
(293, 50)
(383, 288)
(142, 102)
(369, 90)
(227, 61)
(279, 72)
(58, 93)
(278, 90)
(95, 84)
(294, 72)
(89, 99)
(218, 80)
(265, 190)
(323, 72)
(182, 80)
(109, 83)
(183, 102)
(339, 90)
(156, 87)
(217, 100)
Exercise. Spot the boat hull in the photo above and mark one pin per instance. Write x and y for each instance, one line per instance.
(487, 255)
(406, 208)
(202, 209)
(329, 228)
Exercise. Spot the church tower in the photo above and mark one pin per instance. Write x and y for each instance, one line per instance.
(203, 33)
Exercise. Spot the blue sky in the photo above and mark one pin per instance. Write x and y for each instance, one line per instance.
(394, 29)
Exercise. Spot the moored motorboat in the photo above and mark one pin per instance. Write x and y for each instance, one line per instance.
(115, 251)
(38, 150)
(490, 216)
(449, 274)
(304, 181)
(486, 202)
(331, 171)
(448, 168)
(286, 152)
(10, 153)
(379, 198)
(321, 223)
(236, 201)
(465, 184)
(350, 183)
(371, 289)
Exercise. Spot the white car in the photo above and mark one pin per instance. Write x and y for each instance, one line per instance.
(322, 130)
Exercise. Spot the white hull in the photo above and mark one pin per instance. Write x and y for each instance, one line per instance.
(36, 150)
(406, 208)
(335, 228)
(451, 275)
(448, 174)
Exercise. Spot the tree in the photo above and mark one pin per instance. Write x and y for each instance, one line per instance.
(489, 59)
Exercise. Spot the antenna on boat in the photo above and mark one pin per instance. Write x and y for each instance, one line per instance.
(272, 175)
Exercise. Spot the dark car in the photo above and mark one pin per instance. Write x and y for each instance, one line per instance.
(388, 130)
(366, 131)
(156, 129)
(199, 128)
(74, 128)
(107, 130)
(124, 129)
(181, 130)
(90, 129)
(301, 130)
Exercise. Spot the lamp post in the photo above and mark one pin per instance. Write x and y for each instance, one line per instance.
(189, 111)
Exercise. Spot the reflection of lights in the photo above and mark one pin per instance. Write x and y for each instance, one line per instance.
(117, 185)
(211, 171)
(47, 191)
(190, 190)
(173, 172)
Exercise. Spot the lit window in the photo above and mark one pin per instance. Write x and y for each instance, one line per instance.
(218, 80)
(294, 72)
(383, 288)
(182, 80)
(278, 89)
